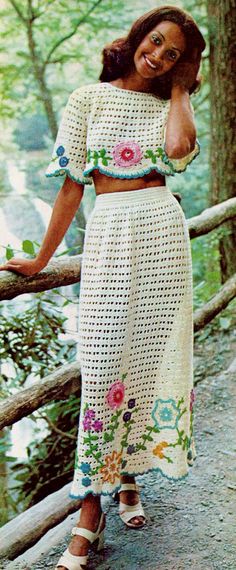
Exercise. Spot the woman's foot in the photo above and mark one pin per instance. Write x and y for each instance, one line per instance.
(90, 515)
(131, 498)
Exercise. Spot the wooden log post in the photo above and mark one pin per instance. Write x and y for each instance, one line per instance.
(26, 529)
(56, 386)
(213, 307)
(59, 272)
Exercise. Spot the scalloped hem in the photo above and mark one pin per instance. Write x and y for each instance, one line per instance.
(126, 175)
(62, 172)
(153, 469)
(178, 171)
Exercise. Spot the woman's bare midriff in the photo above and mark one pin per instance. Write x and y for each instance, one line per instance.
(106, 184)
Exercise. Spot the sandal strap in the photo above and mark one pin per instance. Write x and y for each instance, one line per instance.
(91, 536)
(83, 532)
(131, 508)
(72, 562)
(128, 487)
(129, 513)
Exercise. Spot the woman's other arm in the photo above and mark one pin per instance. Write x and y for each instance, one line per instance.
(180, 134)
(66, 204)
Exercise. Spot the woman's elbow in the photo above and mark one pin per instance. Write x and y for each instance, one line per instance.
(179, 149)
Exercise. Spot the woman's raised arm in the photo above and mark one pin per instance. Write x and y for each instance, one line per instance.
(66, 204)
(180, 135)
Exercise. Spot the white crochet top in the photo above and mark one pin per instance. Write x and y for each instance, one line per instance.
(118, 131)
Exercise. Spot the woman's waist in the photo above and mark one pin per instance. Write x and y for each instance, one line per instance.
(131, 197)
(105, 184)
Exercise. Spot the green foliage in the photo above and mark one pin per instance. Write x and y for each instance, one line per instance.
(30, 345)
(207, 280)
(51, 459)
(62, 33)
(29, 340)
(206, 269)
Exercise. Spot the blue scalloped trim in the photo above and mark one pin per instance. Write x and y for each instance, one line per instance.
(168, 160)
(66, 171)
(62, 172)
(127, 176)
(105, 494)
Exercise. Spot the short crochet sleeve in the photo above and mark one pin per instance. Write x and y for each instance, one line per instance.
(180, 164)
(69, 152)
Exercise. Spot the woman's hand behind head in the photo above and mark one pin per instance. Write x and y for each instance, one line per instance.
(186, 72)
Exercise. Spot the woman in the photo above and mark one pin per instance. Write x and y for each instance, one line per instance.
(135, 315)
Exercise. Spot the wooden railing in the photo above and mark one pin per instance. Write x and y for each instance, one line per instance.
(67, 379)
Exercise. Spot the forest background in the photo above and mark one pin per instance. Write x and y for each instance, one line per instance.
(49, 48)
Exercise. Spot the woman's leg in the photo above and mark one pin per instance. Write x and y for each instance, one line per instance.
(130, 498)
(89, 518)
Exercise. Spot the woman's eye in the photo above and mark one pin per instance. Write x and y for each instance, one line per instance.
(156, 39)
(172, 55)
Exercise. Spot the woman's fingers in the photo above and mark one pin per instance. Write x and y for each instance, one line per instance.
(24, 266)
(12, 263)
(9, 267)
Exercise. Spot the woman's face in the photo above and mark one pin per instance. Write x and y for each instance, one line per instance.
(159, 50)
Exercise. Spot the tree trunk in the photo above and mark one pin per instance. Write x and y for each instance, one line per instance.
(39, 74)
(221, 18)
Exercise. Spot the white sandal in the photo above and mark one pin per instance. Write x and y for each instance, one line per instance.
(96, 539)
(128, 512)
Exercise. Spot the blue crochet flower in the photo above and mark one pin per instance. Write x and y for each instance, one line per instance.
(63, 161)
(60, 150)
(131, 403)
(85, 468)
(166, 414)
(86, 481)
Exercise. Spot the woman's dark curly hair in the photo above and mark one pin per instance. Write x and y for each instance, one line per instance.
(118, 57)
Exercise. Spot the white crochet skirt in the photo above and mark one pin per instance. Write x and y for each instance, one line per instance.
(135, 342)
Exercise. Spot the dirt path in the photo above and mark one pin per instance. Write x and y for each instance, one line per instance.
(192, 523)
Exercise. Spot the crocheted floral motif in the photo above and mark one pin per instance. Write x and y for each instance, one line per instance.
(89, 424)
(192, 399)
(63, 160)
(158, 450)
(111, 470)
(131, 403)
(60, 150)
(115, 395)
(85, 467)
(127, 153)
(166, 414)
(86, 481)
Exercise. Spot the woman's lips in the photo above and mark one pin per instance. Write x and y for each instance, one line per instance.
(149, 63)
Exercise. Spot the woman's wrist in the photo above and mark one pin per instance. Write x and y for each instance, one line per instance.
(40, 262)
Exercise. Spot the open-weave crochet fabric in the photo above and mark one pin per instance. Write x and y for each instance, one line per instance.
(135, 342)
(117, 131)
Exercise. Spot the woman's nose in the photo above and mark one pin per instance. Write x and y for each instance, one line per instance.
(158, 52)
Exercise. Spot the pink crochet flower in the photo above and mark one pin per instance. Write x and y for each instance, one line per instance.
(115, 395)
(127, 153)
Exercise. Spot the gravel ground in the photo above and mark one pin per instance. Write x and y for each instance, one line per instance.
(192, 523)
